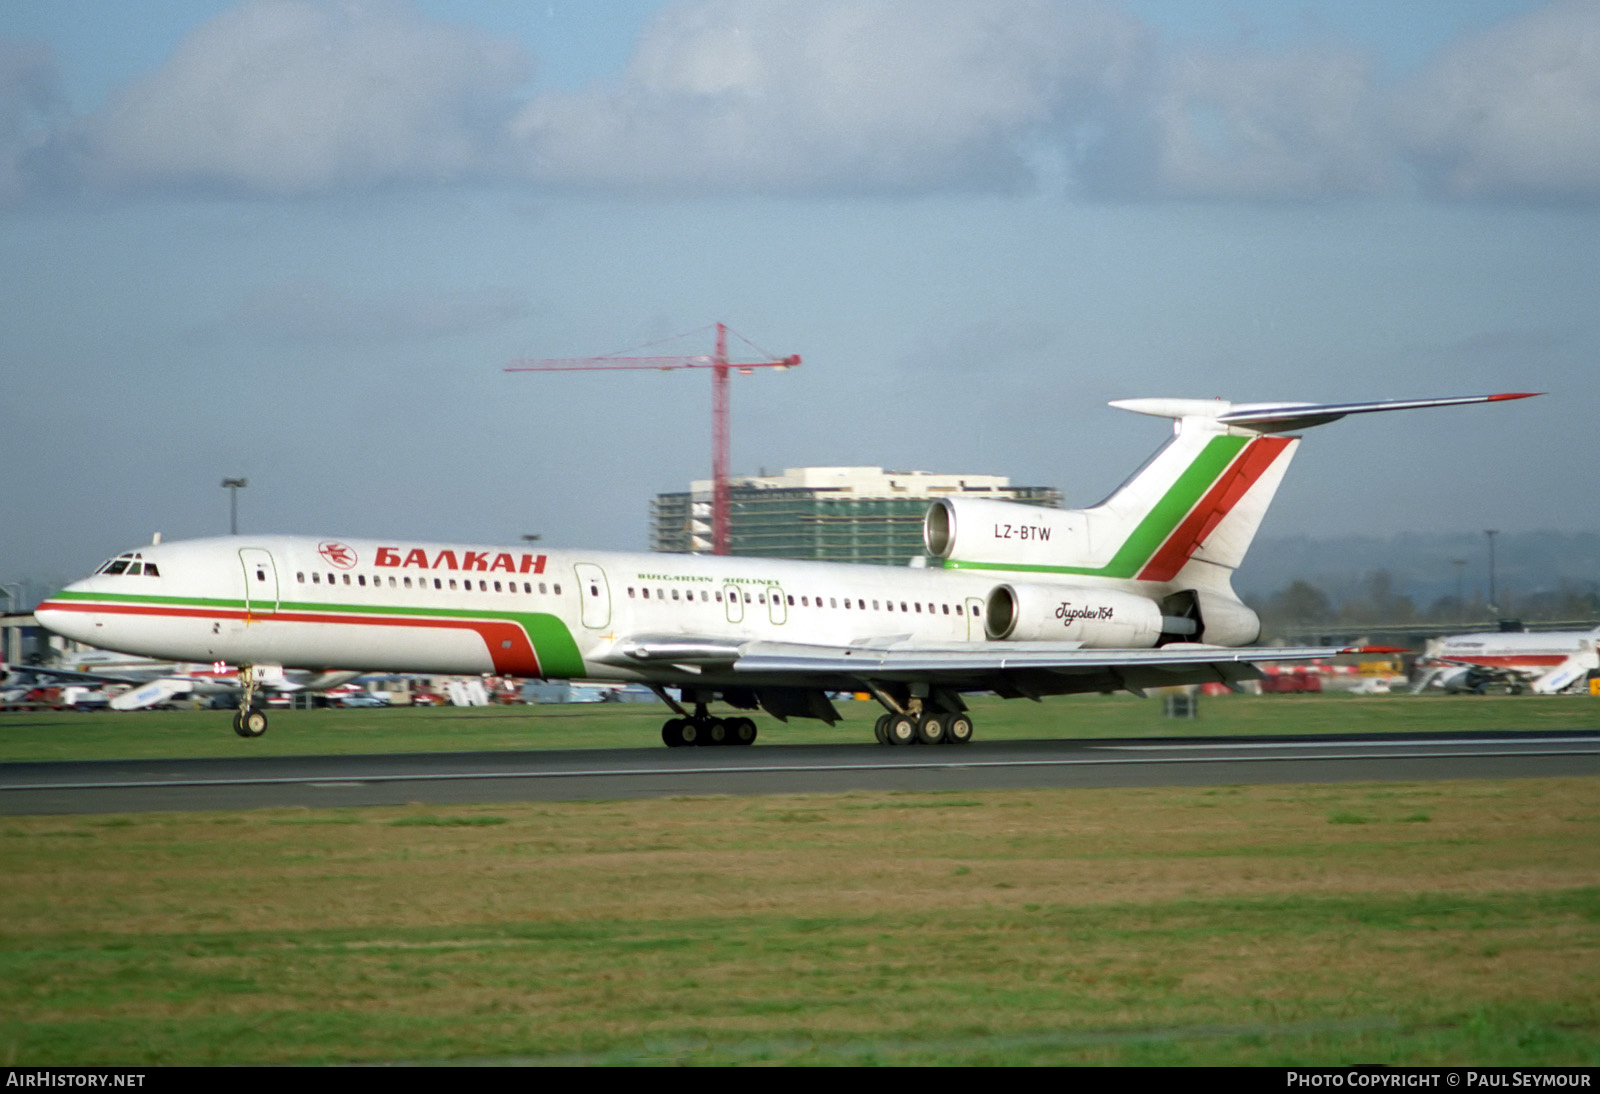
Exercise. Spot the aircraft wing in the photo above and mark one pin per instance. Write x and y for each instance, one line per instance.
(33, 673)
(1002, 666)
(989, 657)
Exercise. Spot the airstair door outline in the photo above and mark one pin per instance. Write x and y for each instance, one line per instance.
(974, 615)
(733, 600)
(777, 608)
(595, 595)
(260, 582)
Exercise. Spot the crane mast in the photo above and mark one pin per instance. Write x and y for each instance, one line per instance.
(719, 365)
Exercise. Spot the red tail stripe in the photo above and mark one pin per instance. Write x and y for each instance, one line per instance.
(1219, 501)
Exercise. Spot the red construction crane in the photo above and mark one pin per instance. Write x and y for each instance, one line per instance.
(719, 365)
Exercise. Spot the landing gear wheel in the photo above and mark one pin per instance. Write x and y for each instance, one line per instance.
(251, 723)
(958, 730)
(930, 729)
(901, 729)
(691, 733)
(741, 731)
(672, 733)
(713, 731)
(880, 729)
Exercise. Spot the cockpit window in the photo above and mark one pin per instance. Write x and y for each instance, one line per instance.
(130, 564)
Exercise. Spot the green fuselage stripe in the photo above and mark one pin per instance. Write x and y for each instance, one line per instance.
(1151, 532)
(552, 640)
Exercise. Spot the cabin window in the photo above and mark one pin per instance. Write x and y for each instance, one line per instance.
(833, 602)
(407, 582)
(316, 578)
(919, 608)
(557, 588)
(862, 604)
(674, 594)
(300, 577)
(496, 586)
(947, 609)
(594, 590)
(361, 579)
(392, 582)
(541, 589)
(631, 593)
(874, 605)
(903, 606)
(791, 600)
(483, 586)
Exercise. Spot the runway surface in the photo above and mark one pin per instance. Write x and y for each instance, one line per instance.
(475, 777)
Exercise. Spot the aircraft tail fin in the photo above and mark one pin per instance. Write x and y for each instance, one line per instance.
(1202, 498)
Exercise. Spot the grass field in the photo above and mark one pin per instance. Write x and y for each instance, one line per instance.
(143, 734)
(1440, 923)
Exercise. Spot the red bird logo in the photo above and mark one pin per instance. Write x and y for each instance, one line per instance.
(337, 554)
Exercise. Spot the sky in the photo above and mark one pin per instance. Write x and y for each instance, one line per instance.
(299, 242)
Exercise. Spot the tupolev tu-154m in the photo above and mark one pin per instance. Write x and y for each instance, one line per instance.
(1133, 593)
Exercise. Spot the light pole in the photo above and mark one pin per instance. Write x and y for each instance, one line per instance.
(234, 486)
(1493, 602)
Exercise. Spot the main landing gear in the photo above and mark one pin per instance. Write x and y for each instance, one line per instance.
(248, 722)
(924, 727)
(702, 729)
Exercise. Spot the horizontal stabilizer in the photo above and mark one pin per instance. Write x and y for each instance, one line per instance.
(1287, 417)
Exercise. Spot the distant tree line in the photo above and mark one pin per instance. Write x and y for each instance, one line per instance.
(1376, 601)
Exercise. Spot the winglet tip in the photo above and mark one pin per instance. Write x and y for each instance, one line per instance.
(1505, 395)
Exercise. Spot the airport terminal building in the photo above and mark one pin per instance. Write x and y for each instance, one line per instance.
(836, 514)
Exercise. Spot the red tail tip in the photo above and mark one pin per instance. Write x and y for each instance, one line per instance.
(1513, 395)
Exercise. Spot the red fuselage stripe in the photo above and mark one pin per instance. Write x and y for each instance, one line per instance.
(508, 645)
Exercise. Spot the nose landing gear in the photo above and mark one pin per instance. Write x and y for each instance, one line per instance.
(248, 722)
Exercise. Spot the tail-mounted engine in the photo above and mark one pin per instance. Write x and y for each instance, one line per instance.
(1063, 613)
(983, 530)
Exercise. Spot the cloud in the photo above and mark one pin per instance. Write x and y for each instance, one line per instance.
(30, 105)
(1512, 112)
(292, 96)
(1246, 124)
(830, 95)
(311, 312)
(874, 97)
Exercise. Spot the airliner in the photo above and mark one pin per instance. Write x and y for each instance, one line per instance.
(1544, 662)
(1022, 601)
(151, 682)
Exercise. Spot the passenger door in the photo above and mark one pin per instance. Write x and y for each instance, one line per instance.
(260, 582)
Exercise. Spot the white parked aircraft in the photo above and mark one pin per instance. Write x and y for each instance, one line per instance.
(150, 681)
(1543, 662)
(1133, 593)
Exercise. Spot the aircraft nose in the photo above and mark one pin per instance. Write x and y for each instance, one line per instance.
(57, 615)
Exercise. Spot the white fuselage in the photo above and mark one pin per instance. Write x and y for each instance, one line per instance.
(448, 608)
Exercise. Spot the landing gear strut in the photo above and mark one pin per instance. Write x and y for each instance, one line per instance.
(248, 722)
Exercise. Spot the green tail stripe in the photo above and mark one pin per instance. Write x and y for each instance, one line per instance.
(1159, 523)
